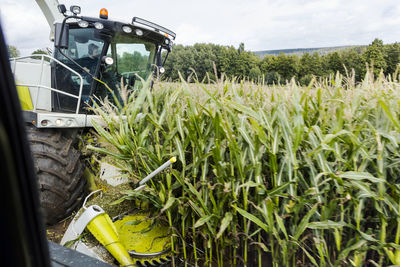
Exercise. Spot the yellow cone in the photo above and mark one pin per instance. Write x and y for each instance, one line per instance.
(105, 232)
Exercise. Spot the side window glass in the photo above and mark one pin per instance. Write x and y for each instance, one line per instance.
(133, 59)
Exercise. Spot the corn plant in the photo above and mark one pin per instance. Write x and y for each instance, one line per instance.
(287, 174)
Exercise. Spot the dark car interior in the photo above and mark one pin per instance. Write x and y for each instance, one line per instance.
(22, 230)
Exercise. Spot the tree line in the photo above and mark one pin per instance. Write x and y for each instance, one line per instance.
(202, 61)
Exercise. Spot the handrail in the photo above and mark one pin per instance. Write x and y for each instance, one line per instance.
(49, 88)
(46, 87)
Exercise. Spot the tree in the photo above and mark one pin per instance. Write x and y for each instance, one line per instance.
(255, 74)
(13, 51)
(204, 57)
(226, 59)
(268, 67)
(40, 52)
(287, 66)
(236, 62)
(180, 60)
(392, 57)
(244, 62)
(334, 63)
(265, 64)
(375, 56)
(354, 61)
(241, 48)
(272, 77)
(310, 65)
(282, 67)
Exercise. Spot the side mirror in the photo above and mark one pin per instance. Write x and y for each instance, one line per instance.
(61, 35)
(159, 59)
(169, 48)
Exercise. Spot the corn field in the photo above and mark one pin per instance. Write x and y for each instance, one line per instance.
(277, 175)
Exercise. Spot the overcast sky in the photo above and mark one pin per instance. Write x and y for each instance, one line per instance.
(259, 24)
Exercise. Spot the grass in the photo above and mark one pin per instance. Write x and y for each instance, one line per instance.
(287, 174)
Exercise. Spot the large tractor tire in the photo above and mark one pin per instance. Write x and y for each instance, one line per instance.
(59, 171)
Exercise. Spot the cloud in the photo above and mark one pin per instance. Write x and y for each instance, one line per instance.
(290, 24)
(186, 33)
(24, 26)
(260, 24)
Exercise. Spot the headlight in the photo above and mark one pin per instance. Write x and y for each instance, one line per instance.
(127, 29)
(75, 9)
(44, 123)
(83, 24)
(139, 32)
(108, 60)
(98, 25)
(167, 41)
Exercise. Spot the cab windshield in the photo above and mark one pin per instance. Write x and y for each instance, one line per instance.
(133, 59)
(84, 47)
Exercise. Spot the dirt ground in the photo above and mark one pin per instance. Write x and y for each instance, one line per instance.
(56, 232)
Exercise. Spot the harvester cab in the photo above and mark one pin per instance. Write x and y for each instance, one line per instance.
(91, 56)
(104, 53)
